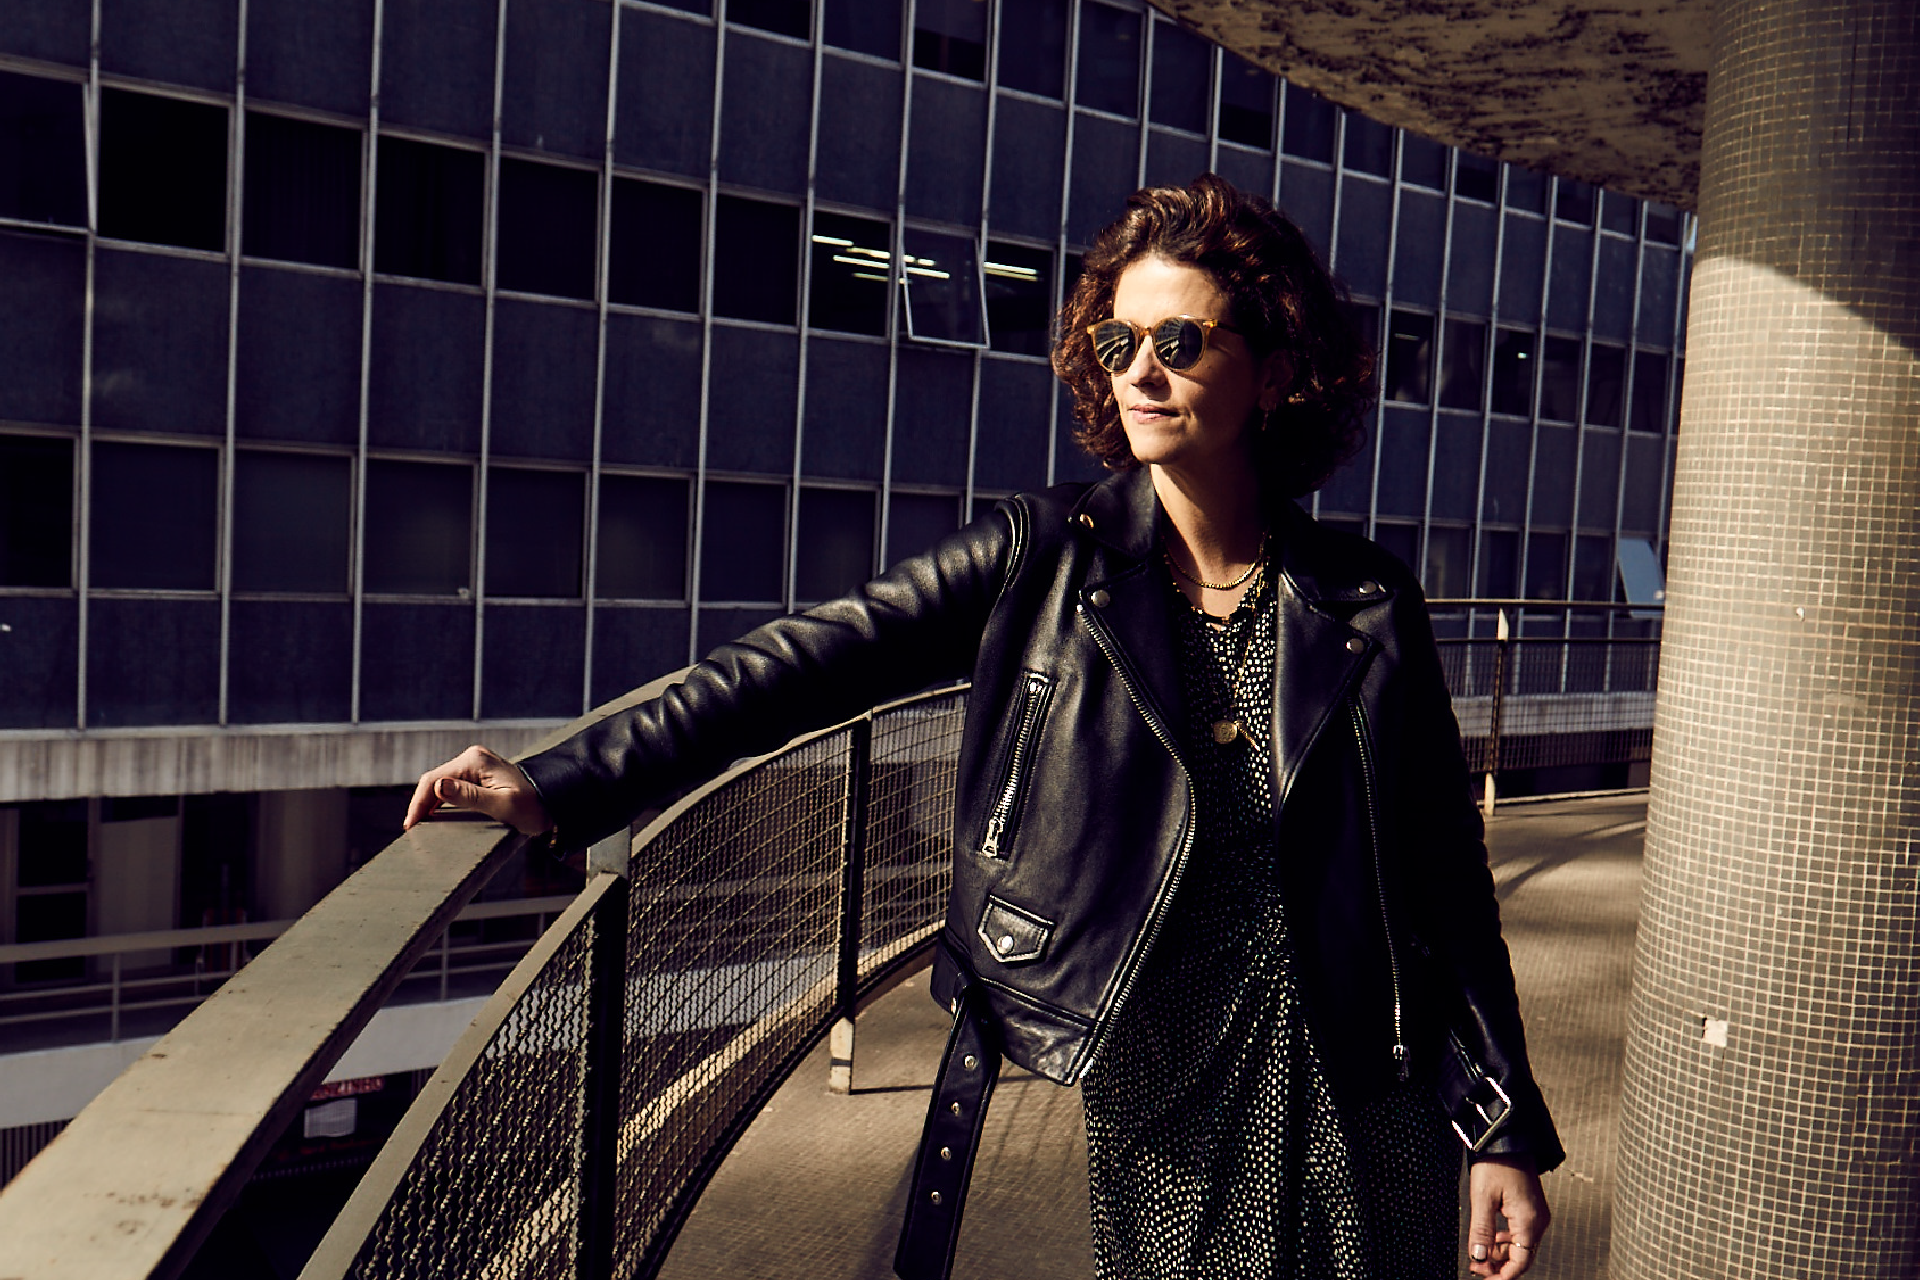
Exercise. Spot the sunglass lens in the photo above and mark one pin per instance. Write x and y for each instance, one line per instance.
(1114, 345)
(1179, 342)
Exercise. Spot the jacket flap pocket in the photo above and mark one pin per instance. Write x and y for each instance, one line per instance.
(1013, 936)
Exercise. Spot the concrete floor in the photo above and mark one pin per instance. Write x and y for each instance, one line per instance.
(817, 1184)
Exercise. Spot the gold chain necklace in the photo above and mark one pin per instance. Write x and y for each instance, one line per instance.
(1174, 565)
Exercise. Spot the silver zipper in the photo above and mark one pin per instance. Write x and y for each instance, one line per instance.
(1034, 702)
(1168, 883)
(1400, 1061)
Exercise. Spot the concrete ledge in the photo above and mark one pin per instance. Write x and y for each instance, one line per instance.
(62, 764)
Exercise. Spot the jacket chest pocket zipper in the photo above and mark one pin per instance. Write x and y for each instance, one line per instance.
(1036, 692)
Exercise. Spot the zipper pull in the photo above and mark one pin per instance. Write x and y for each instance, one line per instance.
(1402, 1063)
(991, 844)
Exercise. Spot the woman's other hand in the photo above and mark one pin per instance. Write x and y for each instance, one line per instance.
(480, 780)
(1508, 1186)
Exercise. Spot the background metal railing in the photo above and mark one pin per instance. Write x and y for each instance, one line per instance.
(1573, 692)
(132, 1000)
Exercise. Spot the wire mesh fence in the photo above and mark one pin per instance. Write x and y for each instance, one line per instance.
(1537, 702)
(495, 1188)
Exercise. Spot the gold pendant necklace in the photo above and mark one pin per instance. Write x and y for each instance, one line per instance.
(1230, 727)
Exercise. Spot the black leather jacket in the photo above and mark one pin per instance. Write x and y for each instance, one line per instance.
(1074, 812)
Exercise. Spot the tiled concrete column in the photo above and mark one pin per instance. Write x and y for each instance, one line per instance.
(1770, 1124)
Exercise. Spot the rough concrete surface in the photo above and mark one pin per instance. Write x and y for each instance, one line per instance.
(817, 1184)
(1614, 94)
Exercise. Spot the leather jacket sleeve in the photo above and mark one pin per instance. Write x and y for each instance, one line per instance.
(1450, 895)
(915, 625)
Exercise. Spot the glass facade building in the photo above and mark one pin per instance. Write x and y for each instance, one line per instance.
(378, 362)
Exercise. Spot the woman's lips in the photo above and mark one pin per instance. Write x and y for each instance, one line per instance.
(1148, 413)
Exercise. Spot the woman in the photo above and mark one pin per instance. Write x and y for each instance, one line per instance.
(1215, 855)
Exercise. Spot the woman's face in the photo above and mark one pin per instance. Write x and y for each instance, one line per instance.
(1192, 419)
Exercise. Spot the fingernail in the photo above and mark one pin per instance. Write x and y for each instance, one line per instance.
(1479, 1253)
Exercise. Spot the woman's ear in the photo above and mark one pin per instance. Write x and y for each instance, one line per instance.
(1276, 375)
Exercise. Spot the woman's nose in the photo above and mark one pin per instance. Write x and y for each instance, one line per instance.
(1146, 366)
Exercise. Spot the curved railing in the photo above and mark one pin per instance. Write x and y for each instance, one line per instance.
(615, 1068)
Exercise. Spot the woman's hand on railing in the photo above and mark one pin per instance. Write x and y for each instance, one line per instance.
(478, 779)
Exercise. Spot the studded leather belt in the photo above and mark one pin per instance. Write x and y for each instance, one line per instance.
(968, 1071)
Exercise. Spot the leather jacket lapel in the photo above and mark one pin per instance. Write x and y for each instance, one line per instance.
(1317, 663)
(1125, 594)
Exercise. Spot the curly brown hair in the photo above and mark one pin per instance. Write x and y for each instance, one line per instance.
(1281, 297)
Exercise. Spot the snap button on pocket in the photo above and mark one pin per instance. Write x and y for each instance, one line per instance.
(1013, 936)
(1100, 599)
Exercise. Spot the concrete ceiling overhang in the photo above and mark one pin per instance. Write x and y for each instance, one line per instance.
(1611, 93)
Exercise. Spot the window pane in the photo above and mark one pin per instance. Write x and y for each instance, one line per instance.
(951, 36)
(1402, 541)
(1447, 551)
(53, 843)
(1560, 380)
(1109, 60)
(865, 26)
(783, 17)
(36, 512)
(1311, 123)
(1606, 383)
(1593, 567)
(654, 246)
(1246, 103)
(547, 227)
(154, 517)
(303, 192)
(743, 542)
(535, 520)
(836, 535)
(43, 150)
(1369, 147)
(1036, 62)
(755, 260)
(1466, 363)
(1573, 202)
(1663, 223)
(643, 538)
(419, 528)
(915, 521)
(1619, 213)
(1513, 364)
(1546, 566)
(429, 212)
(943, 288)
(1410, 357)
(290, 522)
(1423, 162)
(1526, 189)
(1476, 178)
(1182, 78)
(1649, 391)
(1019, 286)
(850, 257)
(163, 170)
(1499, 565)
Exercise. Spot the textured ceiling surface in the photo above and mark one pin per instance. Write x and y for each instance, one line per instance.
(1613, 93)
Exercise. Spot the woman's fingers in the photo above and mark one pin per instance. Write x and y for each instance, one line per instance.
(479, 780)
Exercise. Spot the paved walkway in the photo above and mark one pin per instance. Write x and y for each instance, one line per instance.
(816, 1186)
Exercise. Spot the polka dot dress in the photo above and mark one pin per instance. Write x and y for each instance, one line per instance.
(1215, 1147)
